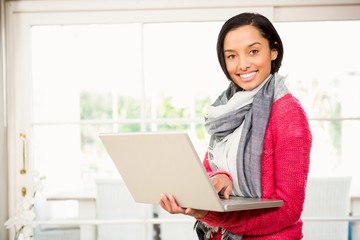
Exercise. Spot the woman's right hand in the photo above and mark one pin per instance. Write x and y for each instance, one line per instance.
(169, 204)
(222, 184)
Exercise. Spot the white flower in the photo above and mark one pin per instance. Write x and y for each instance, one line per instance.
(10, 222)
(25, 204)
(28, 232)
(26, 218)
(20, 237)
(23, 220)
(38, 182)
(38, 186)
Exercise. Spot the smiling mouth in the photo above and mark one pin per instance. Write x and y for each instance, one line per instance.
(247, 75)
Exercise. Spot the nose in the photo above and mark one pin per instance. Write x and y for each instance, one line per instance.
(243, 63)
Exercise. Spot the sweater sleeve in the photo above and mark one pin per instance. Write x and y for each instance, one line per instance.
(209, 171)
(285, 162)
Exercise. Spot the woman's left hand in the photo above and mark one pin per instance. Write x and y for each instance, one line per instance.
(169, 204)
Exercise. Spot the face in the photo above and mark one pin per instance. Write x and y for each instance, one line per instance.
(248, 56)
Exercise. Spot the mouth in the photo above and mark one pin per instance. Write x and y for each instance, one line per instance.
(247, 76)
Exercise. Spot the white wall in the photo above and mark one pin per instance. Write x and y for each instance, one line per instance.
(281, 10)
(3, 162)
(3, 166)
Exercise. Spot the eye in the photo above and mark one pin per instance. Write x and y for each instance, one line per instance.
(231, 56)
(253, 52)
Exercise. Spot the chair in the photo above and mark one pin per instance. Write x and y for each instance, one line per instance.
(43, 211)
(327, 197)
(115, 202)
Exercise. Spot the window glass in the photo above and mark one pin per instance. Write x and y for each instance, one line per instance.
(87, 67)
(89, 79)
(181, 67)
(322, 66)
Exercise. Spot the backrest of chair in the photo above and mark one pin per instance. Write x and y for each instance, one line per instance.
(114, 201)
(327, 197)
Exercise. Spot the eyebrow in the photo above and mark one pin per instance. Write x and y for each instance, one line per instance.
(250, 45)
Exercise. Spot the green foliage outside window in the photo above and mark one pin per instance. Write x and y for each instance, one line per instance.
(100, 107)
(168, 110)
(95, 106)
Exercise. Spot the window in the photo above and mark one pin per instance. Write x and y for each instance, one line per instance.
(89, 79)
(323, 73)
(158, 75)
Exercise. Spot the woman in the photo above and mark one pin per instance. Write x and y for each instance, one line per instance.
(260, 138)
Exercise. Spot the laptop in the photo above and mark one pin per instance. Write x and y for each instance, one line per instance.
(151, 163)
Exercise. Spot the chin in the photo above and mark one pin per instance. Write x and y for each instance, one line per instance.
(248, 87)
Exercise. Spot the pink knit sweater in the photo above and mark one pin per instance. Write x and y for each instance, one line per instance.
(285, 166)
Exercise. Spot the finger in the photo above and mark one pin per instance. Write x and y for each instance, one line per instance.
(227, 191)
(220, 182)
(169, 204)
(172, 200)
(189, 212)
(164, 202)
(174, 205)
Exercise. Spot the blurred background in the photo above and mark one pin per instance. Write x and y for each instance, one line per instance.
(74, 69)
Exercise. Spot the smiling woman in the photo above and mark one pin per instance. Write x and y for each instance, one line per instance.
(104, 66)
(260, 138)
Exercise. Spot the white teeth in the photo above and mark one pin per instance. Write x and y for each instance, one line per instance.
(247, 75)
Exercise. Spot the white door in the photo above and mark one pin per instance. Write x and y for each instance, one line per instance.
(58, 73)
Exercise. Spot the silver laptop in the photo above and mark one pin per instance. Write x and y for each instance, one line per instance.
(151, 163)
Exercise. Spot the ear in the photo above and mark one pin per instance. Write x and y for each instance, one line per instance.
(274, 54)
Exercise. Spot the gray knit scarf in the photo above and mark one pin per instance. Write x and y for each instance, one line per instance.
(256, 116)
